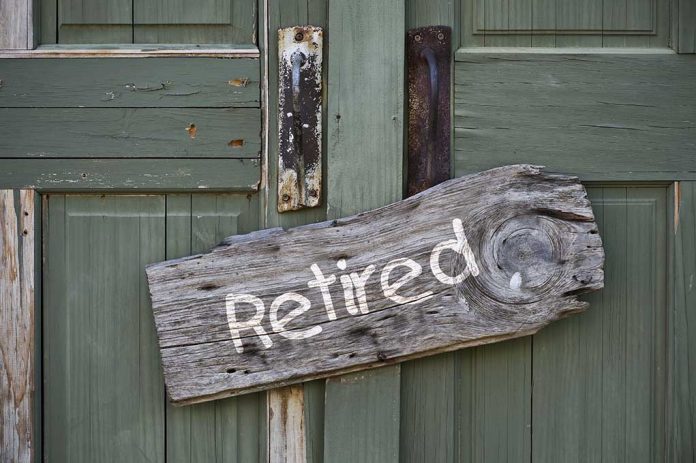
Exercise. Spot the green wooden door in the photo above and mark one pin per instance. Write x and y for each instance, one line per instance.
(139, 123)
(104, 398)
(171, 146)
(602, 385)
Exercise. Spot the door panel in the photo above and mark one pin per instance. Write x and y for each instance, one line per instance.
(229, 430)
(599, 378)
(104, 399)
(601, 117)
(588, 388)
(565, 23)
(104, 396)
(148, 21)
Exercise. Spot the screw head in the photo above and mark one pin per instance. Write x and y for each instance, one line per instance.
(440, 36)
(418, 38)
(286, 197)
(313, 193)
(299, 36)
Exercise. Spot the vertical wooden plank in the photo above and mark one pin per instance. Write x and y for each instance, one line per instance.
(682, 428)
(493, 403)
(206, 22)
(427, 428)
(420, 13)
(286, 424)
(544, 19)
(89, 22)
(469, 15)
(282, 14)
(365, 106)
(362, 417)
(365, 170)
(599, 376)
(16, 24)
(579, 14)
(686, 26)
(17, 304)
(228, 430)
(103, 389)
(567, 379)
(613, 326)
(48, 22)
(500, 411)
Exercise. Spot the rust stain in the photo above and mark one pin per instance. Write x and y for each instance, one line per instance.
(238, 143)
(241, 82)
(191, 129)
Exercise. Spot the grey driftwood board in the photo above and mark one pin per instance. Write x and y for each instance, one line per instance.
(474, 260)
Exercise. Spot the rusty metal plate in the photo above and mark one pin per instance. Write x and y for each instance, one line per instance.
(299, 117)
(428, 60)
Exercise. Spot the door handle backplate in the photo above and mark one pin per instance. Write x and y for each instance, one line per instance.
(299, 117)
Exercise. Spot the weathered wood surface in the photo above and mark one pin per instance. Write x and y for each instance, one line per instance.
(365, 170)
(127, 174)
(682, 428)
(130, 133)
(286, 425)
(565, 23)
(130, 82)
(614, 117)
(16, 325)
(16, 24)
(535, 247)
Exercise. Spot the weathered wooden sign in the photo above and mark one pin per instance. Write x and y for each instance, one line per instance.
(474, 260)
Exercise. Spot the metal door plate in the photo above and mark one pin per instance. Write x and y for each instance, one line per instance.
(299, 117)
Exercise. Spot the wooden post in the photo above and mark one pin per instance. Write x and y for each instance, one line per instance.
(16, 325)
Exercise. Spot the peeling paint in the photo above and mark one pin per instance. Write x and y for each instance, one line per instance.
(147, 88)
(191, 129)
(237, 143)
(241, 82)
(299, 117)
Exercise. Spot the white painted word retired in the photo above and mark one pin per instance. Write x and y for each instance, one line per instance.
(353, 290)
(474, 260)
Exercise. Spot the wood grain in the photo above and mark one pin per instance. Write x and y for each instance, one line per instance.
(286, 425)
(128, 174)
(682, 426)
(569, 23)
(229, 430)
(129, 133)
(365, 170)
(130, 82)
(17, 276)
(103, 392)
(532, 226)
(684, 17)
(16, 24)
(280, 15)
(608, 114)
